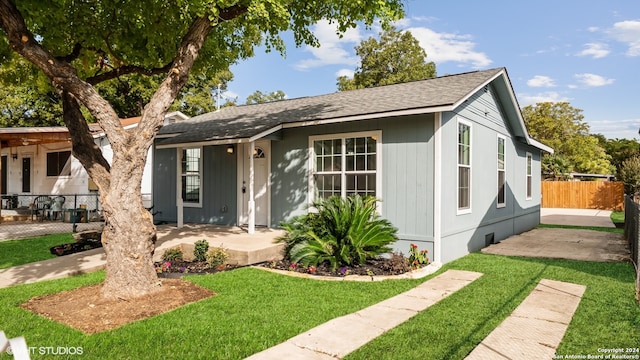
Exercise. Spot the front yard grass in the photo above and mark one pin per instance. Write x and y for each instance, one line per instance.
(255, 310)
(24, 251)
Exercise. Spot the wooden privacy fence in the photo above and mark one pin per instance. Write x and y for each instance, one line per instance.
(605, 195)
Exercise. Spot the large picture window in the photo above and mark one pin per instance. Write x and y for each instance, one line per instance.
(191, 176)
(345, 165)
(502, 189)
(464, 167)
(59, 163)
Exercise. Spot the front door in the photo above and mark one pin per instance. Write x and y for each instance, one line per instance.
(261, 157)
(26, 175)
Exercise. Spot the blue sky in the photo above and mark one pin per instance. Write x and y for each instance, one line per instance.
(584, 52)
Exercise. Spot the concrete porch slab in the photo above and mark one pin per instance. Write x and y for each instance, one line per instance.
(243, 248)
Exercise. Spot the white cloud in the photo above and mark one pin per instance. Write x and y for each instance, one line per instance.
(541, 81)
(345, 72)
(596, 50)
(627, 32)
(593, 80)
(549, 96)
(444, 47)
(616, 129)
(332, 47)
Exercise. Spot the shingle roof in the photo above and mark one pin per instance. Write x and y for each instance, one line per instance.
(245, 121)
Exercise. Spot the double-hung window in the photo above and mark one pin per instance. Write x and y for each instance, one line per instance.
(502, 189)
(191, 176)
(529, 178)
(345, 165)
(59, 163)
(464, 167)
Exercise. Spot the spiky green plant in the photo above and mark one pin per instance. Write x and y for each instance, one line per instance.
(342, 232)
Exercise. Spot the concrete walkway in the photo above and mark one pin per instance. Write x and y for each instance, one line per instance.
(576, 217)
(341, 336)
(243, 249)
(536, 327)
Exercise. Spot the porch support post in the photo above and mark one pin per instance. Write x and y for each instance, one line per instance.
(252, 202)
(179, 200)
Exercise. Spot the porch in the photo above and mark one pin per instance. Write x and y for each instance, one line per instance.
(243, 248)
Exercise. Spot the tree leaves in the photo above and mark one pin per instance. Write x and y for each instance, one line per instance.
(396, 58)
(561, 126)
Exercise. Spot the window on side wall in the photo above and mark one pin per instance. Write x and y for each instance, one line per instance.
(502, 188)
(529, 177)
(345, 165)
(191, 176)
(464, 167)
(59, 163)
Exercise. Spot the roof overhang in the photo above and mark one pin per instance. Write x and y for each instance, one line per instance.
(15, 137)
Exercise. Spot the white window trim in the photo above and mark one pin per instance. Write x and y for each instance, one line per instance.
(467, 210)
(527, 167)
(377, 134)
(504, 170)
(200, 171)
(46, 164)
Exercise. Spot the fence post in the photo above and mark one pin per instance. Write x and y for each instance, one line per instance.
(632, 234)
(16, 346)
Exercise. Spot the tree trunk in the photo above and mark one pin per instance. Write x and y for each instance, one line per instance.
(129, 241)
(129, 234)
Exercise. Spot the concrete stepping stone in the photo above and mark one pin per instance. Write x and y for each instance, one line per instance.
(536, 327)
(341, 336)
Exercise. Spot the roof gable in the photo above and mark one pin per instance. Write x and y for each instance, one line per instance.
(249, 122)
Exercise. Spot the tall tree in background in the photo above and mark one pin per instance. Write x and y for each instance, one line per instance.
(258, 97)
(30, 100)
(396, 58)
(27, 97)
(619, 149)
(561, 126)
(79, 44)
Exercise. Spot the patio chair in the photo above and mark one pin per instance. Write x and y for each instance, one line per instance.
(40, 205)
(57, 207)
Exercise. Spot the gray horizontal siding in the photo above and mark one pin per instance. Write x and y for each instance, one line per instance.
(219, 179)
(407, 170)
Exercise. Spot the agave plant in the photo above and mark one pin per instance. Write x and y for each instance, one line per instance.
(342, 232)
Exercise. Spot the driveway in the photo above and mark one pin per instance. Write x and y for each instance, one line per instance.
(572, 244)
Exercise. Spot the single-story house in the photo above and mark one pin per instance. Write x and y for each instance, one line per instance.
(449, 158)
(38, 161)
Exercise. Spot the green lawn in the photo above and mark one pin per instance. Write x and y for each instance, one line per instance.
(23, 251)
(617, 216)
(255, 310)
(595, 228)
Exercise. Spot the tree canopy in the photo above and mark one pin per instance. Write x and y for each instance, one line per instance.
(562, 127)
(79, 44)
(396, 58)
(259, 97)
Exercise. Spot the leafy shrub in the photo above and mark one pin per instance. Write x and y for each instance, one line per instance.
(172, 254)
(216, 256)
(630, 174)
(342, 232)
(200, 250)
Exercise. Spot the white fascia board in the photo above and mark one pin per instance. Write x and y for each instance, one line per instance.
(540, 145)
(265, 133)
(204, 143)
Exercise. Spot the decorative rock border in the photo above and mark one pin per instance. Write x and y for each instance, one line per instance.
(414, 274)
